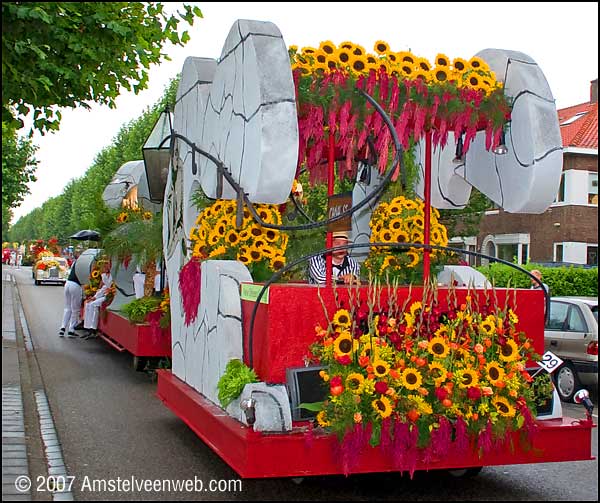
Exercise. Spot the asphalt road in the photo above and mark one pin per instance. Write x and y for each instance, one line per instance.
(111, 424)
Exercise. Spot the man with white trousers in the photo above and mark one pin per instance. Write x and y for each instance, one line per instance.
(73, 298)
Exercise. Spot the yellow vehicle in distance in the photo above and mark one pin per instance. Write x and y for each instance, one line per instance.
(51, 270)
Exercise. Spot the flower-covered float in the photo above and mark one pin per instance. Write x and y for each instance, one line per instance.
(49, 266)
(138, 324)
(397, 373)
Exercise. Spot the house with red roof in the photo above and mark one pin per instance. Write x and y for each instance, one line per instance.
(567, 232)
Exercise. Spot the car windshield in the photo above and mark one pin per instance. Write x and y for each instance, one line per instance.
(595, 312)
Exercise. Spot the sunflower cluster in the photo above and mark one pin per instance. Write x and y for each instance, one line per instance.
(93, 285)
(462, 368)
(131, 214)
(350, 57)
(215, 236)
(402, 221)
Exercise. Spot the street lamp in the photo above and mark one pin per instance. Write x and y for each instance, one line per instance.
(157, 153)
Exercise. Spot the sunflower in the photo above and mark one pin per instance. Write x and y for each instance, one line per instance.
(394, 208)
(244, 257)
(381, 368)
(342, 319)
(386, 236)
(414, 307)
(344, 56)
(232, 237)
(343, 344)
(494, 373)
(438, 347)
(322, 420)
(268, 251)
(473, 80)
(467, 378)
(476, 63)
(213, 238)
(327, 47)
(423, 64)
(277, 262)
(440, 74)
(438, 372)
(411, 378)
(123, 217)
(358, 64)
(407, 57)
(332, 62)
(369, 351)
(265, 214)
(358, 50)
(407, 69)
(389, 261)
(371, 60)
(382, 406)
(147, 215)
(95, 273)
(442, 60)
(414, 258)
(512, 316)
(488, 327)
(400, 236)
(509, 352)
(422, 74)
(459, 64)
(381, 47)
(503, 407)
(355, 383)
(254, 254)
(346, 45)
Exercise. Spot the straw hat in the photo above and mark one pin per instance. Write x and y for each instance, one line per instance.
(341, 235)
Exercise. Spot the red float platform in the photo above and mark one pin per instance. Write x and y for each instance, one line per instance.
(284, 328)
(258, 455)
(138, 339)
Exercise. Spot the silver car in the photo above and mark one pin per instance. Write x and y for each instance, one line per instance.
(572, 334)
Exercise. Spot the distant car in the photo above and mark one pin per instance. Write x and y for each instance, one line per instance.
(50, 270)
(571, 333)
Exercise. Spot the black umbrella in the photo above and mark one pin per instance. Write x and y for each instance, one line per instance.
(86, 235)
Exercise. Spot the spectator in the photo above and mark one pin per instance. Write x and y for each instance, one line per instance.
(535, 285)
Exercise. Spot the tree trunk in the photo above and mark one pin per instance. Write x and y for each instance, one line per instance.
(150, 271)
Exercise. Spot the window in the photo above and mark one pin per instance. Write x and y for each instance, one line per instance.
(576, 323)
(593, 188)
(592, 255)
(524, 253)
(508, 252)
(558, 316)
(559, 253)
(560, 197)
(570, 120)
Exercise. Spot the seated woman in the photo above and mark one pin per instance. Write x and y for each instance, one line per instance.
(345, 269)
(91, 309)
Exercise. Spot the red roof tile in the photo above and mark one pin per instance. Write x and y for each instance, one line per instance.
(583, 132)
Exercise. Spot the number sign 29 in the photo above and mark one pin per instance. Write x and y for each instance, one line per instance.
(550, 362)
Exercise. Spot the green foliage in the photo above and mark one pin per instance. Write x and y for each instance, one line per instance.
(562, 281)
(232, 382)
(137, 310)
(465, 222)
(542, 388)
(18, 168)
(65, 54)
(80, 206)
(139, 239)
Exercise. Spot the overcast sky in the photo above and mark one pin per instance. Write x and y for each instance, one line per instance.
(561, 37)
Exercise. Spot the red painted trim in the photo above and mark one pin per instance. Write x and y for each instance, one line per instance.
(257, 455)
(427, 208)
(139, 340)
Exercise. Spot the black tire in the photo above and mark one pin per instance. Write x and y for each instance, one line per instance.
(37, 282)
(139, 363)
(465, 473)
(566, 382)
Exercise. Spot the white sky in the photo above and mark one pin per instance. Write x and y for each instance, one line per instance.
(561, 37)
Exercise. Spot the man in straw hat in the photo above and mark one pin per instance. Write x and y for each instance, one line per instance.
(345, 268)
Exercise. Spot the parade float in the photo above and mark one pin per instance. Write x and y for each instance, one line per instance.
(138, 324)
(49, 265)
(405, 370)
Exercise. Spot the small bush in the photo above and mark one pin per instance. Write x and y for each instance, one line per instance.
(562, 281)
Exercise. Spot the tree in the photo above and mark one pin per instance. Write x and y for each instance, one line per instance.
(62, 54)
(18, 166)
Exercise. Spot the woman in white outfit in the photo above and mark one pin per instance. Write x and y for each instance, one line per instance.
(73, 298)
(91, 309)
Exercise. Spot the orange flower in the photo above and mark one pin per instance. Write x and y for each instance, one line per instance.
(487, 391)
(328, 342)
(363, 361)
(488, 343)
(478, 348)
(423, 391)
(394, 374)
(413, 414)
(357, 417)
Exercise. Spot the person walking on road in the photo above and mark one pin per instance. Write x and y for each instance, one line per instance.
(73, 299)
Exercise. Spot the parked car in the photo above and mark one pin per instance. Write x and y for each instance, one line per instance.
(50, 270)
(572, 334)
